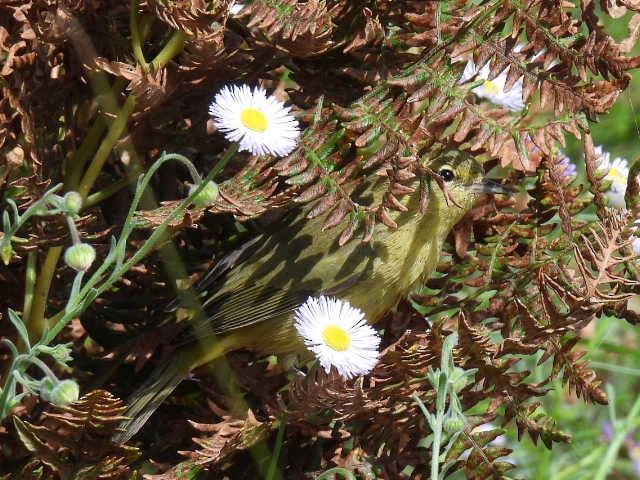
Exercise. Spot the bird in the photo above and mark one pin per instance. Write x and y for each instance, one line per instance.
(251, 305)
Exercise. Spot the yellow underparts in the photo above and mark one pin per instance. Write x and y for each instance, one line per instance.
(254, 119)
(336, 338)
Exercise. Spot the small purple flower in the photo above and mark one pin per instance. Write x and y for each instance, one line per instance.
(570, 170)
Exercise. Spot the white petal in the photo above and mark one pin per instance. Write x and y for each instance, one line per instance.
(279, 138)
(313, 316)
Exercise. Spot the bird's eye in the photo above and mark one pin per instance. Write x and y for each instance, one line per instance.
(447, 174)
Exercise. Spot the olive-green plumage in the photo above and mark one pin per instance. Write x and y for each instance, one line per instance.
(252, 305)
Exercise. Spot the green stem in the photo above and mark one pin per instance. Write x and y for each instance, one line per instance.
(330, 474)
(610, 457)
(76, 162)
(272, 472)
(113, 188)
(30, 282)
(106, 147)
(45, 368)
(106, 98)
(173, 47)
(75, 236)
(36, 323)
(435, 448)
(136, 43)
(91, 286)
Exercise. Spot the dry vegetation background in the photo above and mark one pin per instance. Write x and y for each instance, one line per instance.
(94, 90)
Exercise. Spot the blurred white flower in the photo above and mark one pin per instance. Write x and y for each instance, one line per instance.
(494, 90)
(262, 124)
(236, 8)
(338, 334)
(617, 173)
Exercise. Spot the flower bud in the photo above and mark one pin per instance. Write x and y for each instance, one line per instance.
(64, 393)
(459, 379)
(453, 424)
(80, 256)
(207, 195)
(6, 252)
(45, 388)
(61, 352)
(73, 201)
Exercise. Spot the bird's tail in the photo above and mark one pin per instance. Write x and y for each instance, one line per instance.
(163, 380)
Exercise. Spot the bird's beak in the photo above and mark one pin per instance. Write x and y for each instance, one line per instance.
(492, 186)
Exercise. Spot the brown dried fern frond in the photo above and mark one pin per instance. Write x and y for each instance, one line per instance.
(302, 29)
(194, 17)
(222, 441)
(75, 441)
(532, 421)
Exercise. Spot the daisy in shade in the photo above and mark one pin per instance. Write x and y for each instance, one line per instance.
(261, 123)
(617, 173)
(494, 90)
(338, 334)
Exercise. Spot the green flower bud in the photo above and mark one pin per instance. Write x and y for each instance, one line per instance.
(453, 424)
(6, 253)
(207, 195)
(45, 388)
(64, 393)
(458, 378)
(61, 353)
(80, 256)
(73, 201)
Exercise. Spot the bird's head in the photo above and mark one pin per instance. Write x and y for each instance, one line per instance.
(464, 180)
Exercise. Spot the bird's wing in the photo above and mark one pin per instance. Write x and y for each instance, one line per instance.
(252, 305)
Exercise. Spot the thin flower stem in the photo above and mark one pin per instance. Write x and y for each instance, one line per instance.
(30, 283)
(173, 47)
(329, 474)
(142, 252)
(8, 391)
(631, 422)
(75, 236)
(435, 448)
(101, 195)
(45, 368)
(272, 472)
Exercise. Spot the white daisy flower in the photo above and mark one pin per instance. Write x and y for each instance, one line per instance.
(338, 334)
(262, 124)
(493, 90)
(617, 173)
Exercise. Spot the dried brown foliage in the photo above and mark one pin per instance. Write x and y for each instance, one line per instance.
(377, 88)
(74, 441)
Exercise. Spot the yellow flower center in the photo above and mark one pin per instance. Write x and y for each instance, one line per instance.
(492, 87)
(254, 119)
(336, 337)
(614, 174)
